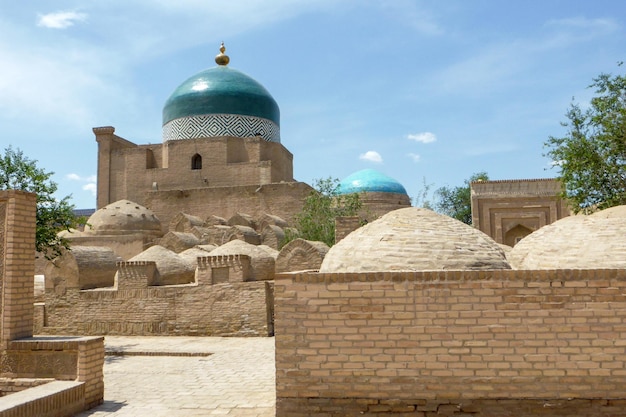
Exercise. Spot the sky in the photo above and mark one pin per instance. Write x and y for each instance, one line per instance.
(427, 92)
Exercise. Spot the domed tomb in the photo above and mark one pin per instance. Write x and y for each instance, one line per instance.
(221, 101)
(378, 192)
(414, 239)
(575, 242)
(262, 262)
(611, 212)
(171, 268)
(370, 180)
(123, 217)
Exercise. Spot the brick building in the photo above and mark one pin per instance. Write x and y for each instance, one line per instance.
(509, 210)
(220, 153)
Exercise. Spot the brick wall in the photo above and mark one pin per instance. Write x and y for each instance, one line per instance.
(209, 307)
(283, 200)
(54, 399)
(511, 209)
(160, 176)
(62, 358)
(12, 385)
(128, 171)
(451, 343)
(345, 225)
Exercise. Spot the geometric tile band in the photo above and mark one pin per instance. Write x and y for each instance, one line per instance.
(213, 125)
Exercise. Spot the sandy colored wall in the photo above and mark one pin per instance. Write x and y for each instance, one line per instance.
(283, 200)
(451, 343)
(129, 171)
(224, 309)
(508, 210)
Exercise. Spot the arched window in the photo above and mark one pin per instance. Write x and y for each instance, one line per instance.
(196, 162)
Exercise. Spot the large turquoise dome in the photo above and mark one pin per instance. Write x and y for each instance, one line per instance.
(221, 101)
(370, 180)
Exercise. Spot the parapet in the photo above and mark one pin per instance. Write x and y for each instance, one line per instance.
(135, 274)
(224, 268)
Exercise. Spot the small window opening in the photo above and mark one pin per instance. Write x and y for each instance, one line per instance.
(196, 162)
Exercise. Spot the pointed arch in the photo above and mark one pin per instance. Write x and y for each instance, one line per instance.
(515, 234)
(196, 161)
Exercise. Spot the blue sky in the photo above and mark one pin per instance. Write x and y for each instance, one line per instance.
(423, 91)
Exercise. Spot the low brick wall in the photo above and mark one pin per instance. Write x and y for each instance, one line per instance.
(62, 358)
(228, 309)
(452, 343)
(12, 385)
(54, 399)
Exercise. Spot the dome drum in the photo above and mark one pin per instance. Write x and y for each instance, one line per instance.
(216, 125)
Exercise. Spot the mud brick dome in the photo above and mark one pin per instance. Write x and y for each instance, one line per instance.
(124, 217)
(414, 239)
(221, 101)
(575, 242)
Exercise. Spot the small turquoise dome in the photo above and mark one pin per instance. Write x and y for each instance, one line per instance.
(221, 90)
(369, 180)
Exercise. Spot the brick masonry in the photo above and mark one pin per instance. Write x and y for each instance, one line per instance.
(220, 302)
(247, 175)
(507, 342)
(76, 360)
(508, 210)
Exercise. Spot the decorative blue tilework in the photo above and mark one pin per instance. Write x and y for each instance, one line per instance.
(214, 125)
(370, 180)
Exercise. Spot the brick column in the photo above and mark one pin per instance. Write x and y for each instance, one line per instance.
(17, 264)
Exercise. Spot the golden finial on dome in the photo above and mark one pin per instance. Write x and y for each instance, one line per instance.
(222, 58)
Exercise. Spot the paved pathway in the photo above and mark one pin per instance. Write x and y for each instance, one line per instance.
(236, 379)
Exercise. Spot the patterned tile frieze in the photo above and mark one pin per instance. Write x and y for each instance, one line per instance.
(214, 125)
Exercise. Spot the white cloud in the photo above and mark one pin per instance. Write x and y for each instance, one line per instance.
(90, 187)
(91, 181)
(60, 20)
(75, 177)
(371, 156)
(415, 157)
(424, 137)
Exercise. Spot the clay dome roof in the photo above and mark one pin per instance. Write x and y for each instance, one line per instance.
(414, 239)
(224, 93)
(575, 242)
(239, 247)
(172, 268)
(369, 180)
(192, 254)
(123, 217)
(611, 212)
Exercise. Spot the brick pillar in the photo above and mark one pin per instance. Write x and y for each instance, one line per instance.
(90, 369)
(17, 264)
(104, 137)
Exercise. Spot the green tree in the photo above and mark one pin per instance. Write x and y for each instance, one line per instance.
(316, 220)
(591, 156)
(17, 172)
(457, 202)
